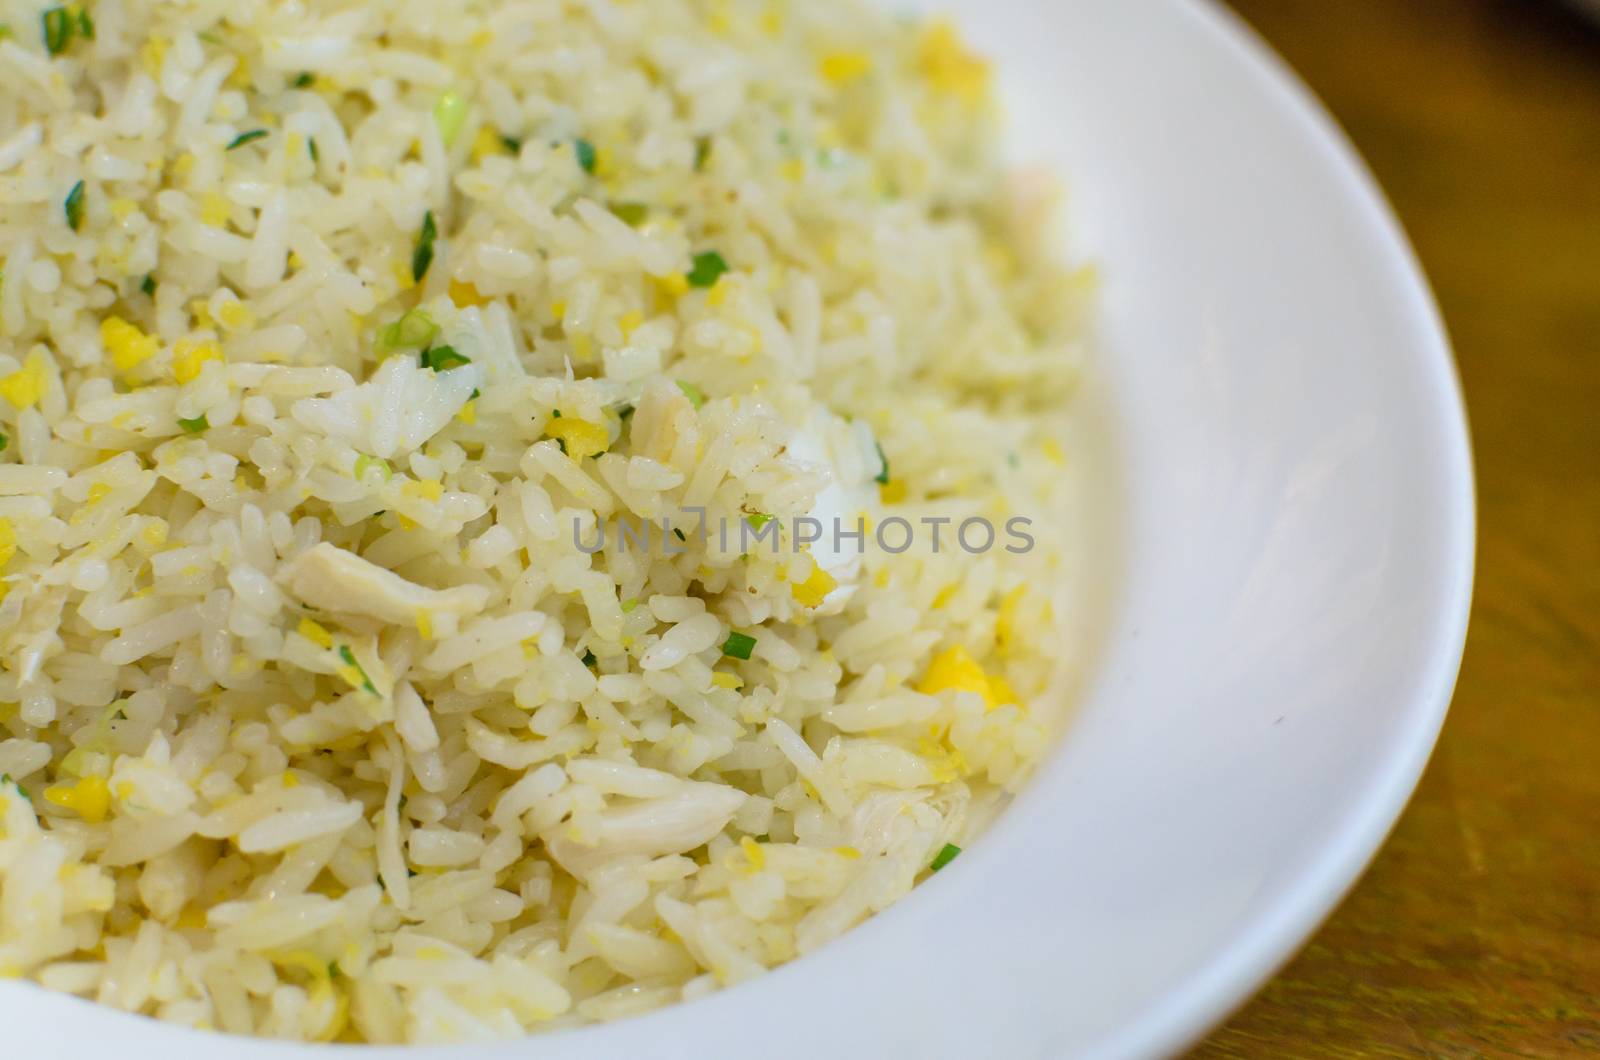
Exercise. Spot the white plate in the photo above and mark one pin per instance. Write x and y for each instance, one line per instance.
(1296, 538)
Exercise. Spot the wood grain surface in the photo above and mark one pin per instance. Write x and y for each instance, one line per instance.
(1476, 932)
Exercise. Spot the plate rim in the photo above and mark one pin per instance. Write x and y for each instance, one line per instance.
(1202, 1001)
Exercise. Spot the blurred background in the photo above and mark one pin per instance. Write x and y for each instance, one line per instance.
(1476, 932)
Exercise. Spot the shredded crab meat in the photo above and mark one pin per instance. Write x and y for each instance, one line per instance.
(333, 579)
(669, 824)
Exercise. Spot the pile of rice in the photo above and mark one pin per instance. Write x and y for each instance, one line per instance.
(332, 334)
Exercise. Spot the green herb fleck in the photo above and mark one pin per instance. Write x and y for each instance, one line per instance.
(245, 138)
(4, 441)
(511, 143)
(311, 148)
(758, 519)
(631, 214)
(304, 80)
(350, 659)
(629, 604)
(423, 256)
(692, 392)
(74, 206)
(679, 535)
(589, 659)
(197, 425)
(415, 328)
(946, 855)
(5, 30)
(708, 269)
(882, 477)
(209, 37)
(443, 358)
(738, 646)
(148, 286)
(702, 152)
(449, 114)
(85, 24)
(58, 29)
(586, 154)
(6, 778)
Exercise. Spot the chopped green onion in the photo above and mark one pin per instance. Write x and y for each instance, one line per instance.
(708, 269)
(679, 534)
(85, 24)
(631, 214)
(4, 441)
(350, 659)
(629, 605)
(474, 395)
(311, 147)
(365, 463)
(74, 207)
(422, 257)
(449, 114)
(692, 392)
(443, 358)
(245, 137)
(6, 778)
(196, 425)
(58, 28)
(588, 658)
(702, 152)
(882, 477)
(148, 286)
(758, 519)
(415, 328)
(738, 646)
(946, 855)
(305, 80)
(586, 154)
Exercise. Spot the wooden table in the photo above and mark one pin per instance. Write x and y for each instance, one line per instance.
(1476, 932)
